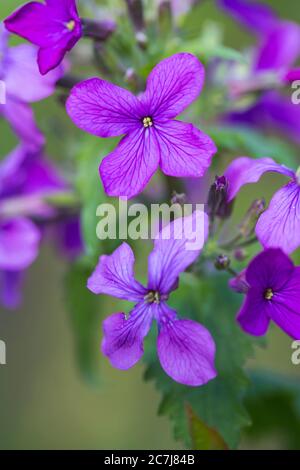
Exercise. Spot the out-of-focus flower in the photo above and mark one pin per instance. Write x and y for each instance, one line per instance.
(279, 225)
(23, 85)
(185, 348)
(239, 283)
(153, 138)
(54, 27)
(273, 294)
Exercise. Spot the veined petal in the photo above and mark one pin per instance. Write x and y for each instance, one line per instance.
(186, 349)
(123, 338)
(19, 244)
(279, 225)
(126, 171)
(103, 109)
(176, 246)
(185, 151)
(22, 77)
(173, 85)
(269, 269)
(114, 275)
(254, 314)
(245, 170)
(21, 118)
(10, 288)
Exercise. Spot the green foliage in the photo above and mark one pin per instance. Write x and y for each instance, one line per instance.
(273, 402)
(218, 405)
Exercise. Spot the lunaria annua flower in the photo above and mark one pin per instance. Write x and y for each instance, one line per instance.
(54, 27)
(185, 348)
(273, 294)
(153, 138)
(279, 225)
(23, 85)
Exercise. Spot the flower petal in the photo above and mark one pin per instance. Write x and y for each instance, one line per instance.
(123, 338)
(176, 247)
(186, 350)
(185, 151)
(22, 77)
(10, 288)
(279, 225)
(245, 170)
(254, 314)
(173, 85)
(114, 275)
(269, 269)
(252, 14)
(103, 109)
(19, 244)
(286, 306)
(126, 171)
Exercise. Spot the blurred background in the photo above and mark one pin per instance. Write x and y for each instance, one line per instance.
(45, 401)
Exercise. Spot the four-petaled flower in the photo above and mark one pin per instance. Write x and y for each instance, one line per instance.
(279, 225)
(153, 138)
(54, 27)
(185, 348)
(273, 294)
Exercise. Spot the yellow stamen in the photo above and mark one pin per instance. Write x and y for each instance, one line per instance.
(269, 294)
(147, 122)
(70, 25)
(152, 297)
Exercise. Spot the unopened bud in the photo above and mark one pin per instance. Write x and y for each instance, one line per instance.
(217, 199)
(222, 262)
(247, 226)
(99, 30)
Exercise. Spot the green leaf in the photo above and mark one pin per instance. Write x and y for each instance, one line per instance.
(219, 404)
(83, 308)
(202, 436)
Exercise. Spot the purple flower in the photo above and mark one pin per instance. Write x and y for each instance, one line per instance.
(273, 294)
(279, 225)
(186, 349)
(153, 138)
(54, 27)
(24, 84)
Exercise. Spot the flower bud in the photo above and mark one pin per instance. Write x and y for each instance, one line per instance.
(99, 30)
(222, 262)
(217, 199)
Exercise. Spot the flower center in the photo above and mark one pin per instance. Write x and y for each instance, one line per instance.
(268, 294)
(70, 25)
(147, 122)
(152, 297)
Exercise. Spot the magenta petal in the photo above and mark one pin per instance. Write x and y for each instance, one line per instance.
(176, 247)
(22, 77)
(126, 171)
(21, 119)
(114, 275)
(10, 288)
(186, 351)
(185, 151)
(254, 314)
(123, 338)
(173, 85)
(103, 109)
(245, 170)
(269, 269)
(253, 14)
(279, 225)
(19, 244)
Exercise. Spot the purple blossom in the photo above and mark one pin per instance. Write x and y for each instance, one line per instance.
(152, 137)
(273, 294)
(185, 348)
(54, 27)
(279, 225)
(24, 84)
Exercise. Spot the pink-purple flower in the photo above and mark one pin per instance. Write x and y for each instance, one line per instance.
(23, 84)
(273, 294)
(279, 225)
(152, 137)
(185, 348)
(54, 27)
